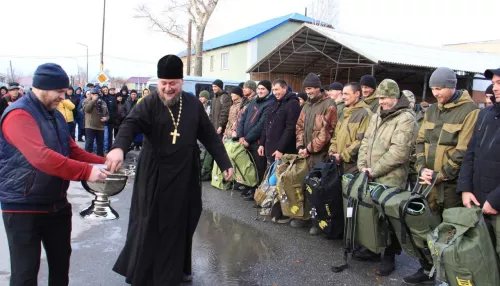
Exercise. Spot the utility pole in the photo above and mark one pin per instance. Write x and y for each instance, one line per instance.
(305, 12)
(11, 71)
(87, 77)
(102, 47)
(188, 72)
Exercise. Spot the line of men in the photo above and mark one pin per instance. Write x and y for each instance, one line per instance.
(380, 130)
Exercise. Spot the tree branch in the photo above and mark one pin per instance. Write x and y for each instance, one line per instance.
(172, 29)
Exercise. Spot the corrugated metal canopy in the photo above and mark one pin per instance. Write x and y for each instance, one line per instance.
(319, 49)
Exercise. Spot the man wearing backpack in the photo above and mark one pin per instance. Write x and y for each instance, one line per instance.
(479, 181)
(385, 155)
(441, 145)
(350, 129)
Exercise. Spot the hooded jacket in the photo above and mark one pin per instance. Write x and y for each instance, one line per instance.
(219, 111)
(66, 107)
(315, 127)
(387, 144)
(349, 133)
(372, 101)
(252, 120)
(444, 135)
(480, 168)
(280, 126)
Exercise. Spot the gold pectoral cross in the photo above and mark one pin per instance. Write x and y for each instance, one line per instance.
(175, 135)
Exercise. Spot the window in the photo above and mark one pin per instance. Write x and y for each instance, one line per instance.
(224, 58)
(199, 87)
(212, 63)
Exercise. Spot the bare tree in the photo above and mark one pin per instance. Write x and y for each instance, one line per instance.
(199, 11)
(325, 12)
(14, 75)
(80, 79)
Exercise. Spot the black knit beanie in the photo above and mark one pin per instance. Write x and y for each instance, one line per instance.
(237, 90)
(368, 80)
(302, 95)
(241, 84)
(50, 77)
(489, 90)
(312, 80)
(336, 86)
(218, 83)
(267, 84)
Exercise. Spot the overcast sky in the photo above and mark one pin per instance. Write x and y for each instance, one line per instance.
(36, 31)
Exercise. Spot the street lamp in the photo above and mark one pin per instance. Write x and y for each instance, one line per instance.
(87, 60)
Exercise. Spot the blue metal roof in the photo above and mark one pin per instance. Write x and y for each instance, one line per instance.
(249, 33)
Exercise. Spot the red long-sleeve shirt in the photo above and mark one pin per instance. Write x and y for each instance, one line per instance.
(21, 131)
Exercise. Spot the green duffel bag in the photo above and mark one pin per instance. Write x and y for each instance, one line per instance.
(245, 172)
(409, 217)
(364, 225)
(218, 180)
(462, 250)
(206, 162)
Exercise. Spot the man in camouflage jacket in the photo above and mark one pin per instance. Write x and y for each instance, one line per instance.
(385, 155)
(441, 145)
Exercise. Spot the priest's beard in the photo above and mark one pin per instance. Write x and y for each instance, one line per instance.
(171, 102)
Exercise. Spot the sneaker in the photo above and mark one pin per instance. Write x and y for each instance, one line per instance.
(187, 278)
(249, 198)
(314, 230)
(421, 277)
(366, 255)
(298, 223)
(387, 266)
(283, 220)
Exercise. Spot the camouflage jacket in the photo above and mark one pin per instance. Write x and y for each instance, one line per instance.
(340, 110)
(348, 134)
(387, 144)
(444, 135)
(233, 118)
(372, 101)
(315, 127)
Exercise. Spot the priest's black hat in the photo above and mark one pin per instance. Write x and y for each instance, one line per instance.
(170, 67)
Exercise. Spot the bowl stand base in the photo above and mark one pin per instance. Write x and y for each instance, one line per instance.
(99, 209)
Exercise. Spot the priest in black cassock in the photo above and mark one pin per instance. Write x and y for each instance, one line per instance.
(166, 201)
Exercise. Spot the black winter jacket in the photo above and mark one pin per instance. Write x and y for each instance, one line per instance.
(280, 126)
(252, 120)
(480, 168)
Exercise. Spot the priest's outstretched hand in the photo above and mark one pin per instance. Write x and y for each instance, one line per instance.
(114, 159)
(228, 174)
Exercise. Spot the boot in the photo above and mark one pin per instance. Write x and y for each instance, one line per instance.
(249, 197)
(421, 277)
(314, 230)
(366, 255)
(387, 265)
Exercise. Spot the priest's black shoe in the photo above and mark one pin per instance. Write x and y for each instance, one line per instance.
(387, 265)
(187, 278)
(366, 255)
(421, 277)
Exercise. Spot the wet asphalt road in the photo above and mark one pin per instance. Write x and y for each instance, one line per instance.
(230, 247)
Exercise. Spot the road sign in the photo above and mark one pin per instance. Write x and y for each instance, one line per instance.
(102, 77)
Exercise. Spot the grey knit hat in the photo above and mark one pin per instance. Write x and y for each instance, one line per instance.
(443, 77)
(251, 85)
(312, 80)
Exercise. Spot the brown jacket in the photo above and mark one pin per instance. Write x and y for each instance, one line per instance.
(316, 126)
(219, 111)
(234, 114)
(93, 114)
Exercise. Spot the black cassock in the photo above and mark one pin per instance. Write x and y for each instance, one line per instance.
(166, 201)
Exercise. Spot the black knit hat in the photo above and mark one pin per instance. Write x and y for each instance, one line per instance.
(241, 84)
(368, 80)
(267, 84)
(218, 83)
(325, 87)
(170, 67)
(50, 77)
(302, 95)
(237, 90)
(312, 80)
(489, 89)
(336, 86)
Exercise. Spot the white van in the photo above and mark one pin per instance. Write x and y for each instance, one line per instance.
(196, 84)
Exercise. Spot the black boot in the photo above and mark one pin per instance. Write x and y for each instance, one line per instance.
(250, 196)
(421, 277)
(387, 265)
(366, 255)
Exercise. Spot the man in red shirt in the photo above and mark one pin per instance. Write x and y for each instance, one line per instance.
(38, 158)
